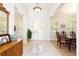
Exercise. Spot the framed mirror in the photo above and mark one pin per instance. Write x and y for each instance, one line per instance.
(4, 20)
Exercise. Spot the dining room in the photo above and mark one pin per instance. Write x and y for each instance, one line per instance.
(63, 25)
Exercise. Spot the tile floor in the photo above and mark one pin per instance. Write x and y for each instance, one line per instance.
(40, 48)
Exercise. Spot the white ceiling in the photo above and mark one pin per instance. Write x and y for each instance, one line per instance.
(68, 8)
(50, 8)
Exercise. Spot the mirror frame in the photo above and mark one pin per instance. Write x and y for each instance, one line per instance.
(7, 19)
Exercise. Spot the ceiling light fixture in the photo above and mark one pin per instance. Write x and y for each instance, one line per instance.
(37, 8)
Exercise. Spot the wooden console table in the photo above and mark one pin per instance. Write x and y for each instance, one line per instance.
(14, 48)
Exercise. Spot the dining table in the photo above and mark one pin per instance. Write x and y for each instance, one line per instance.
(71, 41)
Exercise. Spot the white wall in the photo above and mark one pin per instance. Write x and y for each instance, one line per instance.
(77, 30)
(24, 13)
(67, 19)
(39, 24)
(18, 22)
(10, 8)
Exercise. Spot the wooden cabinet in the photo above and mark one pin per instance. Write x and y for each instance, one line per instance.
(3, 54)
(9, 52)
(14, 48)
(19, 49)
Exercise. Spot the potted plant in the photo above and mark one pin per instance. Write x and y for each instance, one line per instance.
(29, 34)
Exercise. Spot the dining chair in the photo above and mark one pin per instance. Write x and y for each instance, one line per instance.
(58, 38)
(73, 39)
(63, 39)
(73, 34)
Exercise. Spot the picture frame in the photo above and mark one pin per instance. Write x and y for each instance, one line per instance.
(4, 38)
(62, 25)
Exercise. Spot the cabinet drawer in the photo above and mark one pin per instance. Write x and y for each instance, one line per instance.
(10, 51)
(3, 53)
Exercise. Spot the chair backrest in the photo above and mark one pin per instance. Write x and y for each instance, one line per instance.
(63, 35)
(72, 34)
(58, 35)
